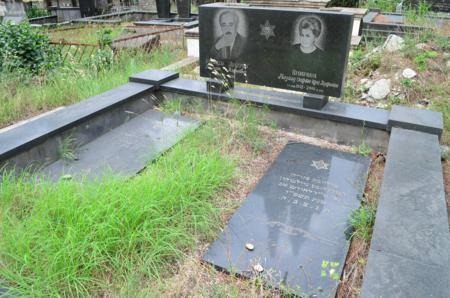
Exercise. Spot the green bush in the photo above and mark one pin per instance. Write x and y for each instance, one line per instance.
(36, 12)
(343, 3)
(22, 48)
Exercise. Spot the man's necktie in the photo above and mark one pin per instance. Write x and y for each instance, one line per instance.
(227, 52)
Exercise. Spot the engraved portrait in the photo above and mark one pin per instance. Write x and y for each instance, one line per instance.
(309, 34)
(230, 32)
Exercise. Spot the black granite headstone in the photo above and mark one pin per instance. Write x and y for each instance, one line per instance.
(296, 219)
(163, 8)
(297, 49)
(184, 9)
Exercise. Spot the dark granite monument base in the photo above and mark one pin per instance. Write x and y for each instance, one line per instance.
(217, 86)
(316, 102)
(169, 22)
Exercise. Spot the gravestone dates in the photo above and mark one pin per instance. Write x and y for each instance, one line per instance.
(296, 218)
(297, 49)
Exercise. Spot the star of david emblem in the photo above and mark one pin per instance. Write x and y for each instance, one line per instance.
(267, 30)
(319, 165)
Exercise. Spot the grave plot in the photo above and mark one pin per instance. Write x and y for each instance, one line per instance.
(291, 229)
(275, 193)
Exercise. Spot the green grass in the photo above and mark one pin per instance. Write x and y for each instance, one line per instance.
(85, 34)
(22, 96)
(362, 220)
(86, 238)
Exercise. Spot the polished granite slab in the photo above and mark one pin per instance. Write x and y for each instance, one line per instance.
(296, 49)
(296, 218)
(125, 150)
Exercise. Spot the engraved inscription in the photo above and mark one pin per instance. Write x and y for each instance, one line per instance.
(307, 191)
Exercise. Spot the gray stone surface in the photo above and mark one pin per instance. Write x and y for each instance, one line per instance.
(391, 276)
(288, 102)
(410, 249)
(414, 119)
(411, 217)
(25, 136)
(296, 217)
(154, 77)
(126, 149)
(414, 149)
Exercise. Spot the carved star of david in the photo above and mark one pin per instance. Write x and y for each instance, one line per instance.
(267, 30)
(319, 165)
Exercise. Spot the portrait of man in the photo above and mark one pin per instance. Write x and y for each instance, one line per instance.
(229, 45)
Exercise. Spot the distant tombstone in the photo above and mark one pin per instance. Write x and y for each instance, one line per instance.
(14, 11)
(294, 224)
(184, 9)
(296, 49)
(163, 8)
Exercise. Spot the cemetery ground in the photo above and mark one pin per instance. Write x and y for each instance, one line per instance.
(65, 239)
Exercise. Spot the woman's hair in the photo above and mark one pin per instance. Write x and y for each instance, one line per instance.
(311, 23)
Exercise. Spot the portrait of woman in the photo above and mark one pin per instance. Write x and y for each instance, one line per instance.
(309, 31)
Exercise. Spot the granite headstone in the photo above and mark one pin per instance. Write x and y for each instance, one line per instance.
(163, 8)
(184, 9)
(296, 220)
(296, 49)
(14, 11)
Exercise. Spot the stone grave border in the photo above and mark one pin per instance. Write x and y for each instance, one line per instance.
(410, 249)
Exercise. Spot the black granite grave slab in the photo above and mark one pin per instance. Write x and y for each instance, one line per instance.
(126, 149)
(415, 119)
(25, 136)
(296, 218)
(154, 77)
(296, 49)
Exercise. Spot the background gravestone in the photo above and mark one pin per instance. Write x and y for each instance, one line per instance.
(14, 11)
(296, 49)
(296, 218)
(184, 9)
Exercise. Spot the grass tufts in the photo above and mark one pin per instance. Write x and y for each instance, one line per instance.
(81, 238)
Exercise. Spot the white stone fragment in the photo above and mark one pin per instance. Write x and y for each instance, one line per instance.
(393, 43)
(380, 89)
(408, 73)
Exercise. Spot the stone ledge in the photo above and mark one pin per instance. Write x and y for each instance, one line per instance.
(30, 133)
(154, 77)
(287, 102)
(415, 119)
(410, 242)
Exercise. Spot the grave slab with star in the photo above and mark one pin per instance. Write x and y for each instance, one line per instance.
(295, 221)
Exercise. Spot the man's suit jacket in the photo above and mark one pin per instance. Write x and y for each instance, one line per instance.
(235, 53)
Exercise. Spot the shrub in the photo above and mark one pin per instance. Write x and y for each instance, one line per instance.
(36, 12)
(22, 48)
(101, 59)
